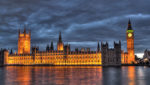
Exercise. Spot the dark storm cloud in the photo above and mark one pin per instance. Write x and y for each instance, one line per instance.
(82, 22)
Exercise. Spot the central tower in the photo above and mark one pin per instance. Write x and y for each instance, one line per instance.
(24, 42)
(130, 43)
(60, 45)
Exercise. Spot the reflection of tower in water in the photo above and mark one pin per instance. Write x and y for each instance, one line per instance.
(18, 75)
(131, 75)
(128, 75)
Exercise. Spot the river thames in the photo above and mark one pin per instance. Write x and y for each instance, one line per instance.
(74, 75)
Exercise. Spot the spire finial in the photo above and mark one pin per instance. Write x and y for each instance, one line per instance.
(24, 29)
(52, 46)
(129, 25)
(98, 48)
(129, 22)
(47, 47)
(60, 40)
(19, 30)
(30, 32)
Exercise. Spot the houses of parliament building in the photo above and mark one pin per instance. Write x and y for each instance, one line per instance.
(104, 55)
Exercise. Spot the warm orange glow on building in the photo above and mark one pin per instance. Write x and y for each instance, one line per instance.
(24, 42)
(124, 58)
(64, 56)
(60, 45)
(55, 58)
(129, 57)
(130, 44)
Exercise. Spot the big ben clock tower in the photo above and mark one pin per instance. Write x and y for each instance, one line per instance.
(130, 43)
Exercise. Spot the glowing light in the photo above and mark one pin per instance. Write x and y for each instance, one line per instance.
(130, 35)
(130, 31)
(24, 44)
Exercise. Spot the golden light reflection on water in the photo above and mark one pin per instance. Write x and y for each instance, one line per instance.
(74, 75)
(66, 75)
(131, 75)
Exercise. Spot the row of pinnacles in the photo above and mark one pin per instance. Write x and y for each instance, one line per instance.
(50, 48)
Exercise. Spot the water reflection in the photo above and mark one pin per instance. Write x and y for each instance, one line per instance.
(79, 75)
(131, 75)
(53, 75)
(112, 76)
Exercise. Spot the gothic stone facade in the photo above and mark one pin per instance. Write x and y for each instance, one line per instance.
(111, 56)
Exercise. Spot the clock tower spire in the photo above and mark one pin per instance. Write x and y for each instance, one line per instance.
(130, 43)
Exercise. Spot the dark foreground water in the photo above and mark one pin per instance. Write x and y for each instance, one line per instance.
(67, 75)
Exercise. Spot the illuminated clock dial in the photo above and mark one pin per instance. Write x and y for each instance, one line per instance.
(130, 35)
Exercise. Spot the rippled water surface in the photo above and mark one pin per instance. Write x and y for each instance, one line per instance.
(75, 75)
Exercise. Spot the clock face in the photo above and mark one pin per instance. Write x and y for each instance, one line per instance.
(130, 35)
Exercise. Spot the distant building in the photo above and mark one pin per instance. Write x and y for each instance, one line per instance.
(146, 54)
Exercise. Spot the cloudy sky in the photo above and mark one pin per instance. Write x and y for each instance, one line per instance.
(82, 22)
